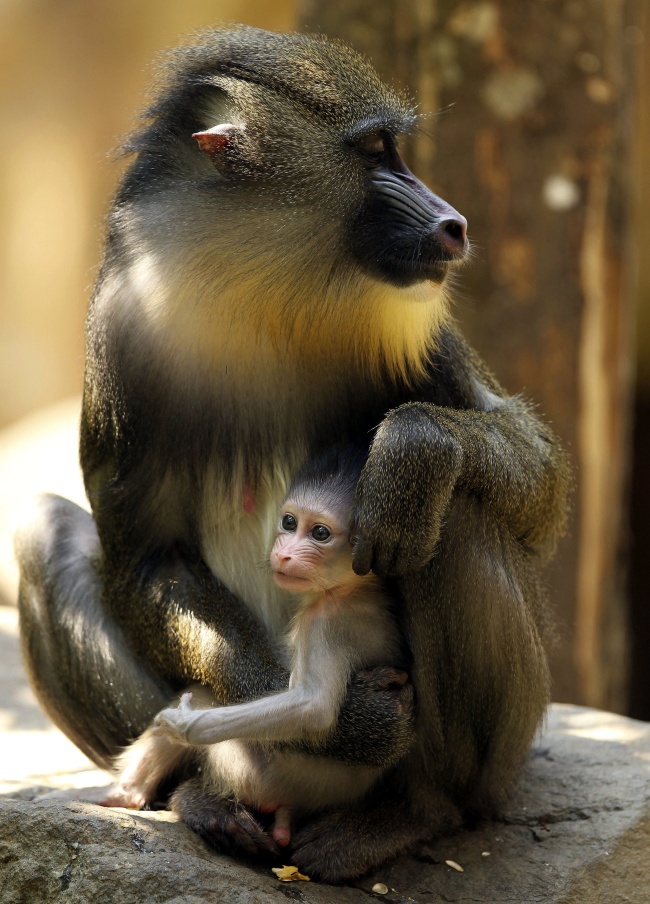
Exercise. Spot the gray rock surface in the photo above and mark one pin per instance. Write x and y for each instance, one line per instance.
(577, 830)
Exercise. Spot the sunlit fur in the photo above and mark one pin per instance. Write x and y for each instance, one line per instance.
(215, 310)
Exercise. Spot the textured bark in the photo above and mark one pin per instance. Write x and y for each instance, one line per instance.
(528, 136)
(639, 703)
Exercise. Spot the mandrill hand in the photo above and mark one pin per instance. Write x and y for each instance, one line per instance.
(175, 723)
(404, 490)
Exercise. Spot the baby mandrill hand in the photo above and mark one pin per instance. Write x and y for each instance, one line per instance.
(175, 722)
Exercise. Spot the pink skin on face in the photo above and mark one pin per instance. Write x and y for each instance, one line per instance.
(310, 553)
(292, 582)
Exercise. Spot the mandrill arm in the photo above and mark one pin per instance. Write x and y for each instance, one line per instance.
(495, 450)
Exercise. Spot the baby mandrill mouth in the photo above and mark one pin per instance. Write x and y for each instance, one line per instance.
(292, 582)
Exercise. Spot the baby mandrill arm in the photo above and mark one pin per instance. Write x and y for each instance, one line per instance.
(294, 714)
(310, 705)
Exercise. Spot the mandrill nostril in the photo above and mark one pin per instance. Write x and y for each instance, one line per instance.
(455, 230)
(452, 235)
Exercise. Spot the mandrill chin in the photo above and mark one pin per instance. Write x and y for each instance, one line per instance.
(273, 286)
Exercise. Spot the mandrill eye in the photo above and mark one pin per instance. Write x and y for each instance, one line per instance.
(289, 522)
(373, 149)
(320, 533)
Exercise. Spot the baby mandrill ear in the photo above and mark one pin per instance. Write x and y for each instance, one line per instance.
(213, 141)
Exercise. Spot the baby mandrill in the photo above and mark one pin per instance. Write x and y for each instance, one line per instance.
(342, 623)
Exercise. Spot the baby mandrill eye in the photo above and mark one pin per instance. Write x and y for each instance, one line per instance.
(289, 522)
(321, 533)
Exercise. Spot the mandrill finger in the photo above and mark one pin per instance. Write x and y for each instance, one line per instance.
(362, 556)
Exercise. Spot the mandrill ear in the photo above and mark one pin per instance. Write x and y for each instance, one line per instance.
(213, 141)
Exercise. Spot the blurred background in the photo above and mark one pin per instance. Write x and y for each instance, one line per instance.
(539, 132)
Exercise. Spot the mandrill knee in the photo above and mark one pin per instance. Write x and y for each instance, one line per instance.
(51, 527)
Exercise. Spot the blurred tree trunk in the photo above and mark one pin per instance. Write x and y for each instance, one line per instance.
(529, 137)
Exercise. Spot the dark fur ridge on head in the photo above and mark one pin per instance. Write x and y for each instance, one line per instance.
(264, 76)
(329, 480)
(324, 76)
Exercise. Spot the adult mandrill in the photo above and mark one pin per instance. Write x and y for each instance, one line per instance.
(271, 286)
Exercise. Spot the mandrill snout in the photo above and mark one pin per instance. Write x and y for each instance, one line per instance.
(451, 235)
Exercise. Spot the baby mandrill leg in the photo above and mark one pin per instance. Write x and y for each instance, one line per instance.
(282, 826)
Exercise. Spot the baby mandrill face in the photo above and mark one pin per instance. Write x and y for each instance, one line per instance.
(311, 552)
